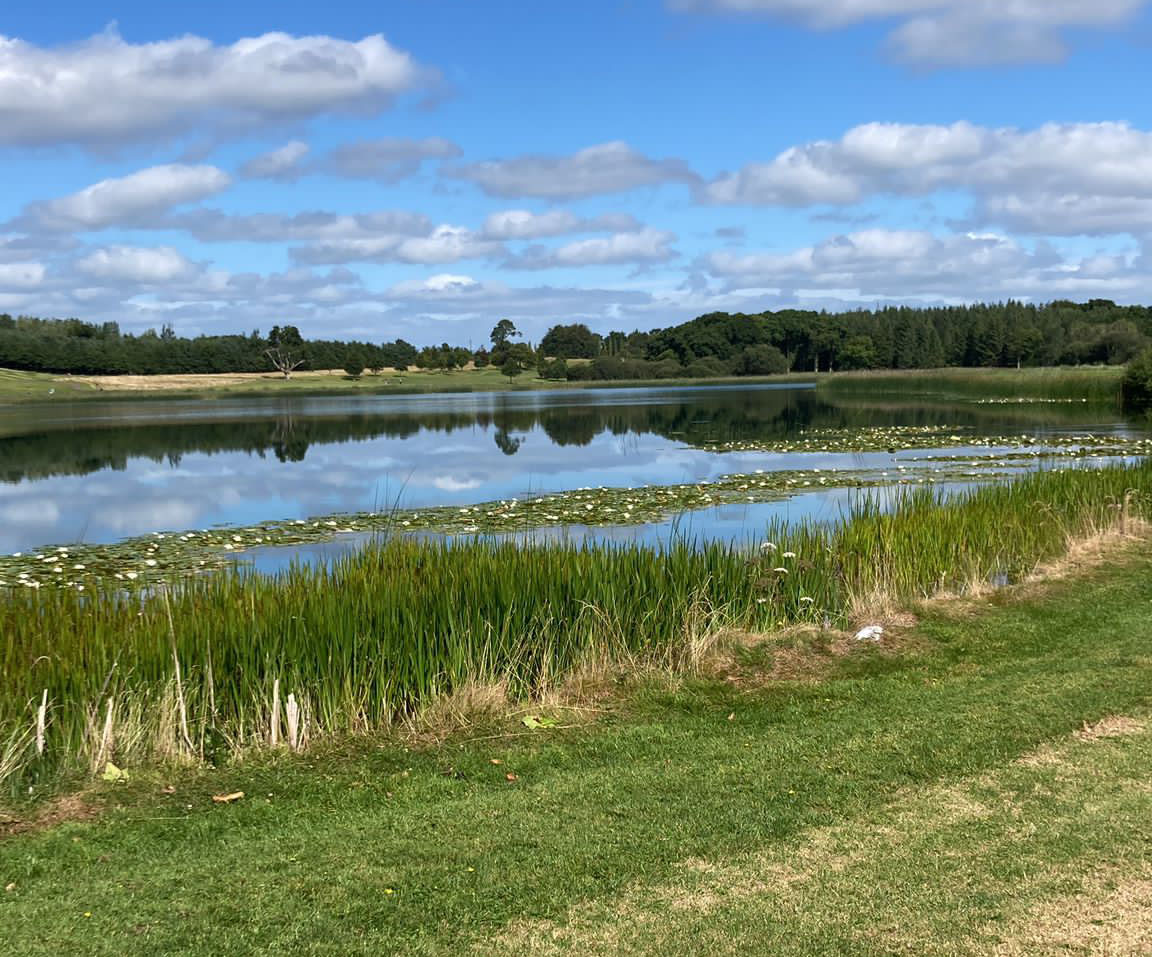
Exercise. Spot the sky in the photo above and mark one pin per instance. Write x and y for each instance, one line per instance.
(422, 169)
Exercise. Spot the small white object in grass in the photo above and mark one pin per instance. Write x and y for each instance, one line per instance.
(871, 633)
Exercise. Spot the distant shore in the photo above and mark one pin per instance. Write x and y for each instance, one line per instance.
(1098, 383)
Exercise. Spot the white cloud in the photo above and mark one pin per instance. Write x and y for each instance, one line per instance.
(438, 285)
(524, 224)
(608, 168)
(387, 160)
(213, 225)
(126, 199)
(906, 264)
(107, 91)
(645, 246)
(940, 32)
(1091, 166)
(135, 264)
(282, 164)
(445, 244)
(21, 275)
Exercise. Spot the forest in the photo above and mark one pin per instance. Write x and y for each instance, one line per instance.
(1007, 334)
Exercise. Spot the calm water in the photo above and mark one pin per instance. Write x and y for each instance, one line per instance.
(99, 472)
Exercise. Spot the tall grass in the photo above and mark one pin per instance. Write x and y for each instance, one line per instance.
(1091, 383)
(222, 664)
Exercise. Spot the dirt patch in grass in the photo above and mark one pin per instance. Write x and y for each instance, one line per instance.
(1115, 726)
(61, 810)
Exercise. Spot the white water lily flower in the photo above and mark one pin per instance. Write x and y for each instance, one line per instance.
(132, 575)
(150, 562)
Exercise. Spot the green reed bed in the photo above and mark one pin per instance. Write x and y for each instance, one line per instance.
(221, 664)
(1063, 384)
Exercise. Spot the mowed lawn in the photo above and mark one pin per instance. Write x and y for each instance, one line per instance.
(979, 784)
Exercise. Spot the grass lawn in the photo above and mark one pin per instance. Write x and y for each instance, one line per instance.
(935, 795)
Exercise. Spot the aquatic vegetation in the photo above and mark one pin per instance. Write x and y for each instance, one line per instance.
(1099, 384)
(908, 438)
(142, 562)
(206, 669)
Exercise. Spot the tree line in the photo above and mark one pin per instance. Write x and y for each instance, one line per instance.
(719, 344)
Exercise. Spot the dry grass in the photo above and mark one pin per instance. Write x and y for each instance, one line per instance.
(1112, 917)
(794, 883)
(1115, 726)
(70, 807)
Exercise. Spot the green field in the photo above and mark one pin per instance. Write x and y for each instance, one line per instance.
(949, 791)
(36, 386)
(1093, 383)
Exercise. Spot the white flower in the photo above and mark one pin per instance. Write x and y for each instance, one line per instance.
(767, 547)
(132, 575)
(789, 555)
(806, 600)
(780, 571)
(150, 562)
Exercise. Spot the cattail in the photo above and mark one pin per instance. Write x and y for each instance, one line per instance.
(275, 712)
(41, 722)
(106, 739)
(293, 712)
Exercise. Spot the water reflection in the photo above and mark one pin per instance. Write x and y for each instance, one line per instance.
(103, 471)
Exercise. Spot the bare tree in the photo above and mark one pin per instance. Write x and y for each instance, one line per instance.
(284, 361)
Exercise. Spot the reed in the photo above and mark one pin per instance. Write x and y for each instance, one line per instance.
(207, 668)
(1100, 384)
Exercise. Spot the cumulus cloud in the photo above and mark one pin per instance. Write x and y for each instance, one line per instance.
(950, 32)
(136, 264)
(214, 225)
(124, 201)
(21, 275)
(524, 224)
(107, 91)
(644, 247)
(608, 168)
(1104, 168)
(386, 160)
(439, 285)
(445, 244)
(903, 264)
(280, 164)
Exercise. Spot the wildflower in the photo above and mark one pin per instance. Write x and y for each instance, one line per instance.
(767, 547)
(805, 600)
(780, 571)
(789, 555)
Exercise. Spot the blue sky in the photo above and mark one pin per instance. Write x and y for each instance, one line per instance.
(424, 169)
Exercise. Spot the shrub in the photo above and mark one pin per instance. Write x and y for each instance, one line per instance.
(1136, 387)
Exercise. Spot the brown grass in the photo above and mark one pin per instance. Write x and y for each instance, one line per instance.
(1116, 726)
(70, 807)
(1112, 917)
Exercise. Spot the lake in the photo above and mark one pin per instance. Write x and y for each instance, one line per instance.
(100, 472)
